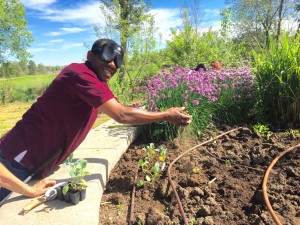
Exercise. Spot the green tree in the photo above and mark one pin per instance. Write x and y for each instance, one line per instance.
(183, 49)
(10, 69)
(41, 68)
(124, 19)
(297, 8)
(256, 20)
(14, 36)
(32, 67)
(226, 22)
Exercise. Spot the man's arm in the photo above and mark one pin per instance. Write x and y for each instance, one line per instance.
(12, 183)
(131, 115)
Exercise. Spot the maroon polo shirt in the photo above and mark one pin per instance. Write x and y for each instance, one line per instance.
(59, 119)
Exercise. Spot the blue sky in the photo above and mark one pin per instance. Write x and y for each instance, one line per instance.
(61, 27)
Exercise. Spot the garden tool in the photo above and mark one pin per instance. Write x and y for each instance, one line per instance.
(50, 194)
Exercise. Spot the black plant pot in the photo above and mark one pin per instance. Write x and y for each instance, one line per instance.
(60, 195)
(67, 197)
(74, 197)
(82, 194)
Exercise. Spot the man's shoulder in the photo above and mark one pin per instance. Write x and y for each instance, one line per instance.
(76, 66)
(77, 69)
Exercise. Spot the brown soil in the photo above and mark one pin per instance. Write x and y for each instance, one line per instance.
(219, 183)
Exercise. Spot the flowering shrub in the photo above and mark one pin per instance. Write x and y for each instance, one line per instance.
(223, 96)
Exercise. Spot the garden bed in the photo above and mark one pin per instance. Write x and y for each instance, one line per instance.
(218, 183)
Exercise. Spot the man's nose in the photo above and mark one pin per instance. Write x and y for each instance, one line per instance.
(112, 64)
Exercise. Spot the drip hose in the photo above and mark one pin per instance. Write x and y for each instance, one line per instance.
(177, 158)
(264, 185)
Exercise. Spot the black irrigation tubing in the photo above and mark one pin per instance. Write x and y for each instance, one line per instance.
(265, 180)
(185, 220)
(131, 213)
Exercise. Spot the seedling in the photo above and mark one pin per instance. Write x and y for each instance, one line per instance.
(262, 129)
(227, 162)
(192, 222)
(152, 172)
(120, 206)
(77, 172)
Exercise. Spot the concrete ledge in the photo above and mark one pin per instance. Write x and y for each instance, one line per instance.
(102, 148)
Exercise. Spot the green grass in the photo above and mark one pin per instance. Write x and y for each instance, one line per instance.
(25, 82)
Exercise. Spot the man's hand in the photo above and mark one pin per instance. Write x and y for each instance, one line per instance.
(178, 116)
(39, 188)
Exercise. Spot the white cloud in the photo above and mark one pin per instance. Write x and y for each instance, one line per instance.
(36, 50)
(85, 14)
(40, 5)
(65, 30)
(72, 45)
(211, 14)
(56, 40)
(165, 19)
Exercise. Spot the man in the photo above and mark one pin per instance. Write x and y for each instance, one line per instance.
(61, 118)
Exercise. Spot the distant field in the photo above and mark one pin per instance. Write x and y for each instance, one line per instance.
(26, 82)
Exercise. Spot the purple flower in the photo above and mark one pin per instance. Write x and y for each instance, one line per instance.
(195, 102)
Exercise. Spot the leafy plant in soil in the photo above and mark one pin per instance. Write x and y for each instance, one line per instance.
(152, 164)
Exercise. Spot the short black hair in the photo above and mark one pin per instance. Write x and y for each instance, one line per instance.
(201, 65)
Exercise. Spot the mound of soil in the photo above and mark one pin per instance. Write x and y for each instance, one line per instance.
(217, 183)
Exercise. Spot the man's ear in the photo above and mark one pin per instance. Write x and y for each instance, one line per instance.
(90, 55)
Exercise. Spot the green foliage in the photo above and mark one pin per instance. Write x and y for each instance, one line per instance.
(32, 67)
(226, 22)
(6, 92)
(262, 129)
(24, 89)
(278, 80)
(183, 49)
(188, 50)
(131, 23)
(14, 36)
(21, 68)
(77, 172)
(152, 164)
(255, 21)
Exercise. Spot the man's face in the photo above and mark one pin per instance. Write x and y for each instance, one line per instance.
(104, 70)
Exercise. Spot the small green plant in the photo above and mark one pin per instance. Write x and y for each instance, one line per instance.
(195, 170)
(77, 172)
(227, 162)
(192, 222)
(292, 132)
(140, 223)
(120, 206)
(262, 129)
(152, 164)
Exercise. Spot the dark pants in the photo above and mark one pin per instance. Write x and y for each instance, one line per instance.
(15, 168)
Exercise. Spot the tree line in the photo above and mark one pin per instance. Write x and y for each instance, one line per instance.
(245, 25)
(21, 68)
